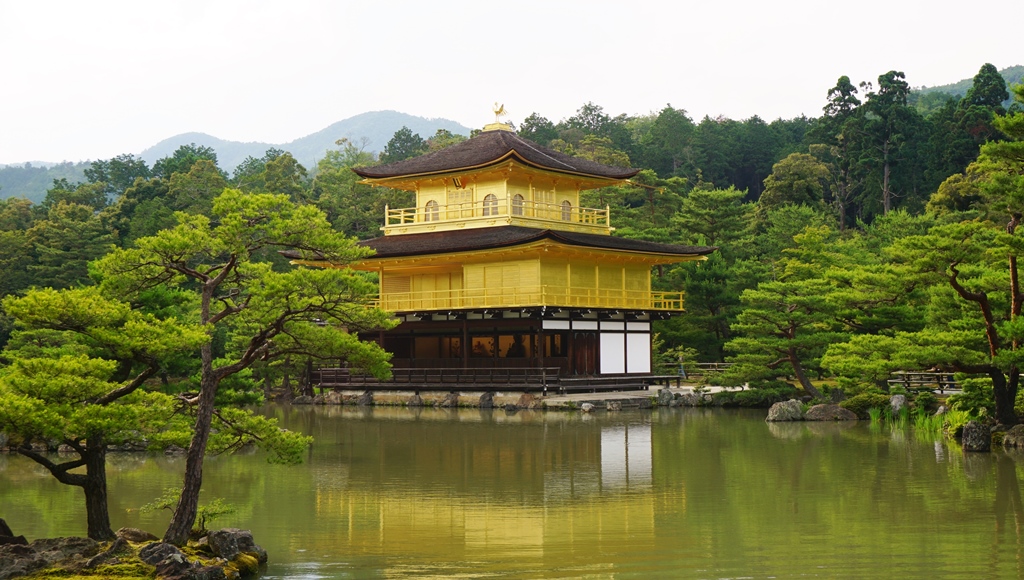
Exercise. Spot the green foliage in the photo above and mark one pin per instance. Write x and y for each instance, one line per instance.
(538, 129)
(954, 421)
(91, 195)
(860, 404)
(899, 420)
(264, 313)
(285, 175)
(182, 160)
(975, 399)
(925, 402)
(193, 191)
(71, 236)
(442, 139)
(927, 423)
(352, 207)
(217, 508)
(403, 145)
(799, 179)
(117, 174)
(249, 174)
(760, 398)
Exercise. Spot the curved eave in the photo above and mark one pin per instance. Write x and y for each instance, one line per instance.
(513, 155)
(533, 248)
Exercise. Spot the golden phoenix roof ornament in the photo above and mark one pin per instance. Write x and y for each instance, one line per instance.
(499, 112)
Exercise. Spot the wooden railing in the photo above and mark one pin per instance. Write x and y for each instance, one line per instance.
(923, 381)
(523, 296)
(498, 207)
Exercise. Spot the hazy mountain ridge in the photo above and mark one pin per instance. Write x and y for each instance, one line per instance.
(374, 128)
(31, 180)
(1012, 75)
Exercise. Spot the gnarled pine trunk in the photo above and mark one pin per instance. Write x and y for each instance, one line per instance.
(94, 486)
(188, 504)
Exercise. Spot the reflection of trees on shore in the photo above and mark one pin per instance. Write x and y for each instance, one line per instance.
(1008, 505)
(799, 429)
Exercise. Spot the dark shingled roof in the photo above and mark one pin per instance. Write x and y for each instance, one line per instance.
(490, 147)
(504, 236)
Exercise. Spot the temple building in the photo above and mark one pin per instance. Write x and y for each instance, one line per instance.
(498, 265)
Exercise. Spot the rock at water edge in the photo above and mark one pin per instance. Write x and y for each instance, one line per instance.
(135, 535)
(527, 401)
(230, 542)
(896, 403)
(976, 437)
(1014, 437)
(829, 413)
(791, 410)
(487, 400)
(665, 397)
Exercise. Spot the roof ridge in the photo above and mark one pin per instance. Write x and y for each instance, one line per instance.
(542, 152)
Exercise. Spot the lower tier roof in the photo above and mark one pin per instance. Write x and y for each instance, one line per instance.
(509, 236)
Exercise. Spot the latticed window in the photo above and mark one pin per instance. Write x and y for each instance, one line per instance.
(490, 205)
(566, 211)
(517, 204)
(431, 212)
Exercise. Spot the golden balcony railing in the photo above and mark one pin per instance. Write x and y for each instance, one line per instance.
(508, 209)
(528, 296)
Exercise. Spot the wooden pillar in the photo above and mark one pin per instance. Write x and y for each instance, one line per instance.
(465, 343)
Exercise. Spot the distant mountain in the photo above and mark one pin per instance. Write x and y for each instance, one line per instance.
(1013, 75)
(31, 180)
(375, 129)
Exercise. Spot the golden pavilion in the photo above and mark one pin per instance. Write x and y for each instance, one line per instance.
(498, 265)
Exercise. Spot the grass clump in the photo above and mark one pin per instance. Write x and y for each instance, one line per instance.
(860, 404)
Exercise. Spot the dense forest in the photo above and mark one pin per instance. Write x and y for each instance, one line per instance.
(876, 237)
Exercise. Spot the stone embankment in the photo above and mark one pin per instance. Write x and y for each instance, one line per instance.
(512, 400)
(220, 555)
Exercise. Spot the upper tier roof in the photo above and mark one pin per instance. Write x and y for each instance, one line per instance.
(491, 147)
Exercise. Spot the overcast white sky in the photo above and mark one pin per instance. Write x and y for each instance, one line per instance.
(90, 80)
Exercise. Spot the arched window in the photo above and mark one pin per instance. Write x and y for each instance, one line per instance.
(566, 211)
(517, 204)
(430, 212)
(490, 204)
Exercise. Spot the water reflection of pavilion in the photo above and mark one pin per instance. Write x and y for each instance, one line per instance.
(515, 480)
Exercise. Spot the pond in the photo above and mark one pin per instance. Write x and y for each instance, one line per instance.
(694, 493)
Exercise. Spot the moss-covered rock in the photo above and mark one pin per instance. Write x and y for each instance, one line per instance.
(246, 564)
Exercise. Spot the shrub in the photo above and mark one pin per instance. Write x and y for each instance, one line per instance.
(926, 402)
(755, 398)
(976, 398)
(853, 387)
(861, 403)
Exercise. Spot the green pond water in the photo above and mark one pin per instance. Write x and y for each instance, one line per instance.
(687, 493)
